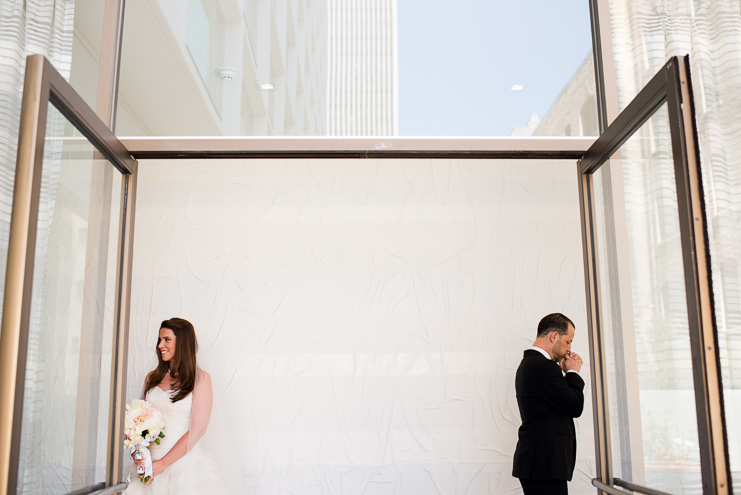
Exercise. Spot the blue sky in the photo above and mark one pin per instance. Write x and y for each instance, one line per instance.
(458, 60)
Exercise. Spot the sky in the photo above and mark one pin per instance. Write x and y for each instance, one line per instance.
(458, 61)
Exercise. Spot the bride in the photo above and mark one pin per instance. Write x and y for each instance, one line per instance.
(183, 393)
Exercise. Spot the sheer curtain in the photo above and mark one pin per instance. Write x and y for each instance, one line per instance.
(26, 27)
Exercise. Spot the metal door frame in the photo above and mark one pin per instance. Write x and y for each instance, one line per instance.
(44, 85)
(671, 85)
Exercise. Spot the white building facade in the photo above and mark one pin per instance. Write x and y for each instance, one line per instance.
(362, 80)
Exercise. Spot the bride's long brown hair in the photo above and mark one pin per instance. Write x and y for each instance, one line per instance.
(182, 366)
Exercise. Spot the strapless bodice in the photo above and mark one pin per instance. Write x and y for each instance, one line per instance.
(177, 419)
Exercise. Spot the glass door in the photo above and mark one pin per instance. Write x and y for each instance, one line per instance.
(65, 314)
(657, 399)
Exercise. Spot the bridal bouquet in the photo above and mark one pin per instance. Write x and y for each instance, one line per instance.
(143, 425)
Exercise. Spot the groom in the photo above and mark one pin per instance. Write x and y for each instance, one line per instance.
(549, 395)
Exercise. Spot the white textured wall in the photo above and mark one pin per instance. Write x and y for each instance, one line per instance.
(363, 319)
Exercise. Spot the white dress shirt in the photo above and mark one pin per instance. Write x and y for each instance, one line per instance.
(546, 355)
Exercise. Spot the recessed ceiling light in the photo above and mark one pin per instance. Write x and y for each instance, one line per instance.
(266, 85)
(517, 87)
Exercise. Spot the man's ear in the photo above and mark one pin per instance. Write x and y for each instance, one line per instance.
(554, 337)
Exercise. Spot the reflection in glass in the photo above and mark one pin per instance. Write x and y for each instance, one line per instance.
(651, 391)
(369, 68)
(86, 42)
(65, 408)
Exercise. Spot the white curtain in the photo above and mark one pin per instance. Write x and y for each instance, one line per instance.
(363, 319)
(26, 27)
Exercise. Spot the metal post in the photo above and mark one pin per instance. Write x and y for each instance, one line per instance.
(121, 331)
(596, 337)
(604, 63)
(706, 370)
(110, 62)
(19, 275)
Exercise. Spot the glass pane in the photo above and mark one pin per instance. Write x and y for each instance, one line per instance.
(707, 30)
(368, 68)
(68, 372)
(651, 392)
(86, 42)
(362, 320)
(68, 33)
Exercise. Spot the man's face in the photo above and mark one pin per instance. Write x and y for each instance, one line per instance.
(562, 346)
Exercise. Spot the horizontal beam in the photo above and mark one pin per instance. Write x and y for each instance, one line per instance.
(362, 147)
(637, 488)
(638, 111)
(628, 485)
(611, 490)
(101, 490)
(74, 108)
(88, 490)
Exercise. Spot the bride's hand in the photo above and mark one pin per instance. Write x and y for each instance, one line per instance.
(158, 467)
(137, 462)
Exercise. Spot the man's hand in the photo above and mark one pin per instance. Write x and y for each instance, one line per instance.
(571, 361)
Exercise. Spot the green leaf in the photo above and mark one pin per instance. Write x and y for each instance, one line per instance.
(157, 441)
(145, 433)
(162, 435)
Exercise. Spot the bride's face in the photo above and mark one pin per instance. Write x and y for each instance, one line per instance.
(166, 344)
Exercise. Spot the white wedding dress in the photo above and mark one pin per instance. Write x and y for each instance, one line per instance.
(196, 473)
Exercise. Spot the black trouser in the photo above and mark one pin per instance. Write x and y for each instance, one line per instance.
(544, 487)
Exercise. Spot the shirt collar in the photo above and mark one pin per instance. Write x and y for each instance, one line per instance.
(542, 351)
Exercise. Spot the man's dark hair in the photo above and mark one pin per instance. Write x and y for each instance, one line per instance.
(554, 322)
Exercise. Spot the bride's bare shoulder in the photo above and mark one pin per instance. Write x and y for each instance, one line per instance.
(202, 377)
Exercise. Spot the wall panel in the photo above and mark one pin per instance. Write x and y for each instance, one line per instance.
(362, 319)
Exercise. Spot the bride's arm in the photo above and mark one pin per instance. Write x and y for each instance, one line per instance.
(199, 417)
(203, 399)
(144, 388)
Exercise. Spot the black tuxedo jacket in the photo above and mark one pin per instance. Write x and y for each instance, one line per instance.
(548, 402)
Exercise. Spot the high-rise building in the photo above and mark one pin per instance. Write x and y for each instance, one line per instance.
(363, 75)
(248, 67)
(257, 68)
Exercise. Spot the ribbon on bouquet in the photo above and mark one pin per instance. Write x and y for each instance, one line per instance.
(147, 458)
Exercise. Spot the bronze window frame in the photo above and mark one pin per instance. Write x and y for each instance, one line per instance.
(671, 86)
(44, 85)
